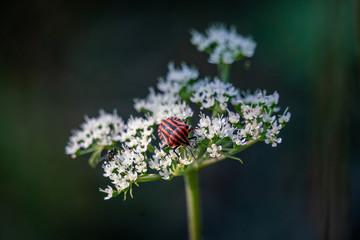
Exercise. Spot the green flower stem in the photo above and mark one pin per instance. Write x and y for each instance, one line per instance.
(224, 71)
(148, 178)
(94, 158)
(193, 204)
(191, 177)
(211, 161)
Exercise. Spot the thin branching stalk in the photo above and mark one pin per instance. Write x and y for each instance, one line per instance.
(149, 178)
(193, 204)
(224, 71)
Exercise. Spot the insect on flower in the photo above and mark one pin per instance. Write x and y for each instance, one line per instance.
(174, 132)
(109, 155)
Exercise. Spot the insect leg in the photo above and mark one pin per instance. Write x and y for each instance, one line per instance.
(191, 152)
(174, 149)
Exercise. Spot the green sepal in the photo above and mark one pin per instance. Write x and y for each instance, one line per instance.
(167, 149)
(236, 147)
(238, 108)
(239, 57)
(150, 148)
(217, 110)
(143, 110)
(237, 125)
(116, 193)
(185, 94)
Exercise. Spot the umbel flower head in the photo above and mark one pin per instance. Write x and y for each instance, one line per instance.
(224, 46)
(230, 120)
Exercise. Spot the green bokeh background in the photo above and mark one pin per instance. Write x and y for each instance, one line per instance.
(62, 60)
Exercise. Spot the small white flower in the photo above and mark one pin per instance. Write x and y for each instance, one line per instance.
(285, 117)
(162, 162)
(165, 173)
(186, 161)
(234, 117)
(107, 190)
(132, 176)
(154, 164)
(141, 167)
(214, 150)
(109, 167)
(122, 184)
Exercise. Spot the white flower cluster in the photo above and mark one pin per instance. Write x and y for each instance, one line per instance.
(259, 122)
(123, 170)
(161, 162)
(162, 106)
(177, 78)
(237, 119)
(165, 162)
(213, 128)
(207, 93)
(137, 133)
(102, 131)
(224, 46)
(252, 125)
(256, 121)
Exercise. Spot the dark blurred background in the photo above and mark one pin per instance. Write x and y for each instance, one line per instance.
(62, 60)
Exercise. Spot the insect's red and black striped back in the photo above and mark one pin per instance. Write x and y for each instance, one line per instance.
(174, 132)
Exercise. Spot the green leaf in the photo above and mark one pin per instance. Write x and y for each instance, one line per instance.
(232, 157)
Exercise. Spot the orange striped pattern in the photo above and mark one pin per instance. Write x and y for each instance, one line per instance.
(174, 132)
